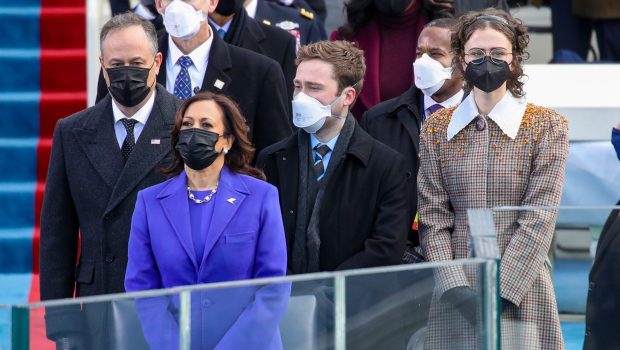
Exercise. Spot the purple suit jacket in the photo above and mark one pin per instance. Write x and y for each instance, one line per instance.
(245, 240)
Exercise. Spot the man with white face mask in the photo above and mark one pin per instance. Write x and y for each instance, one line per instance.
(342, 193)
(396, 122)
(196, 59)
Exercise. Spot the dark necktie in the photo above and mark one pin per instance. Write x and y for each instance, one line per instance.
(221, 32)
(434, 108)
(130, 140)
(320, 151)
(183, 84)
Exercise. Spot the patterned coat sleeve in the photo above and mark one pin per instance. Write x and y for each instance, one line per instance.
(436, 217)
(527, 250)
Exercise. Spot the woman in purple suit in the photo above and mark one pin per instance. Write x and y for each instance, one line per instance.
(215, 220)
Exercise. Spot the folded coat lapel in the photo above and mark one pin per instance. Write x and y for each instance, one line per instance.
(98, 140)
(144, 157)
(174, 202)
(229, 197)
(216, 79)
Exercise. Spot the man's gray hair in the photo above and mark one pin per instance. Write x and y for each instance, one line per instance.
(125, 20)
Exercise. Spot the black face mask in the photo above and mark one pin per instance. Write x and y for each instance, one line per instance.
(197, 147)
(488, 75)
(228, 7)
(128, 85)
(392, 7)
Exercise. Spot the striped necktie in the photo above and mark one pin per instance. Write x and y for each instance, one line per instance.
(320, 151)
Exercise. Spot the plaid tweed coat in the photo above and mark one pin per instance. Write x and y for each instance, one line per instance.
(485, 169)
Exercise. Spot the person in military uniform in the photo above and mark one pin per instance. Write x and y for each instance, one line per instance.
(316, 6)
(232, 23)
(300, 23)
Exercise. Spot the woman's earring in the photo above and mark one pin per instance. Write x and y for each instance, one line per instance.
(225, 151)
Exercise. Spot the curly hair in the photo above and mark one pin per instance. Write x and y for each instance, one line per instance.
(514, 30)
(239, 157)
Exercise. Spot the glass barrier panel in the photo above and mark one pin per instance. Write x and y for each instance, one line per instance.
(5, 326)
(398, 307)
(559, 275)
(428, 308)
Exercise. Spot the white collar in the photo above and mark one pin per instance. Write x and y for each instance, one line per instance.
(251, 8)
(199, 56)
(451, 102)
(507, 114)
(141, 115)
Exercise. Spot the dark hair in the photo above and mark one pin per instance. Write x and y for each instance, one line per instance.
(358, 12)
(125, 20)
(348, 61)
(512, 28)
(239, 157)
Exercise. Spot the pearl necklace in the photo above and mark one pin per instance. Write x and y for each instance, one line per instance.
(200, 201)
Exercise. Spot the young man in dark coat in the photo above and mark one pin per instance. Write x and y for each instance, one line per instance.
(396, 122)
(342, 193)
(101, 157)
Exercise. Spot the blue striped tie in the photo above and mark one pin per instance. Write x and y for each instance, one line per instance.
(183, 84)
(320, 151)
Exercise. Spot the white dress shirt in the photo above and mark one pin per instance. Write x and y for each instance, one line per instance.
(451, 102)
(141, 116)
(200, 60)
(507, 114)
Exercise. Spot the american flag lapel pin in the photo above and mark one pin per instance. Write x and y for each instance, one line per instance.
(231, 200)
(219, 84)
(155, 141)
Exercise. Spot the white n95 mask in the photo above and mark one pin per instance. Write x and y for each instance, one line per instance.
(309, 113)
(429, 74)
(182, 20)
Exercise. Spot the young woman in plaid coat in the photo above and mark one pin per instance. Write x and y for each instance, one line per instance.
(494, 149)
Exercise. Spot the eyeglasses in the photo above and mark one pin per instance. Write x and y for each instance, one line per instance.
(497, 55)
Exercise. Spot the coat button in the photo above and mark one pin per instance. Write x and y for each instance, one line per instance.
(283, 158)
(109, 259)
(408, 175)
(588, 332)
(291, 212)
(206, 302)
(591, 286)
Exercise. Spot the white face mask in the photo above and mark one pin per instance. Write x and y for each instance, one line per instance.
(309, 113)
(182, 20)
(430, 74)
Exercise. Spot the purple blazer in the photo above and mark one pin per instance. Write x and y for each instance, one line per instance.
(245, 240)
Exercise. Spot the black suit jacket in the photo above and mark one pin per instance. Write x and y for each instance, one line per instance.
(603, 307)
(266, 40)
(254, 82)
(91, 192)
(363, 219)
(396, 123)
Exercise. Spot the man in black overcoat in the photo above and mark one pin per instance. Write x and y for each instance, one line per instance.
(342, 193)
(101, 157)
